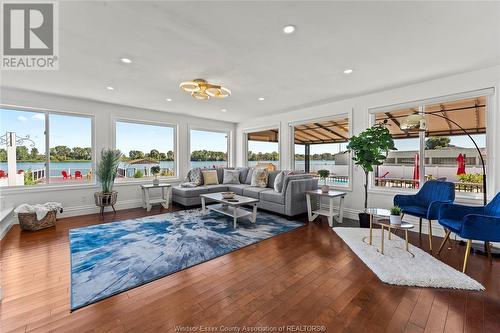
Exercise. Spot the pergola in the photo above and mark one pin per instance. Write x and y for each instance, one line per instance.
(469, 113)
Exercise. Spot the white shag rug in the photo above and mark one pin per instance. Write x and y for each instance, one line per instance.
(396, 266)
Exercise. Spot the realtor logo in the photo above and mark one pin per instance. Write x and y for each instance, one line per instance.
(29, 36)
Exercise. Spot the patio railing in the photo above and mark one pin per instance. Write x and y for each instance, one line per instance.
(413, 184)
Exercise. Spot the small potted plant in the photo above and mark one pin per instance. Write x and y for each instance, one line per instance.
(395, 217)
(155, 170)
(323, 175)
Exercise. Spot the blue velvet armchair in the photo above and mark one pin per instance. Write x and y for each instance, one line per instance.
(425, 204)
(471, 223)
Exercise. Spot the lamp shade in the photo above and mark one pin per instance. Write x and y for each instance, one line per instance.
(414, 122)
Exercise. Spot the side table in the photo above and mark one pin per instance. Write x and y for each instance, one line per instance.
(164, 200)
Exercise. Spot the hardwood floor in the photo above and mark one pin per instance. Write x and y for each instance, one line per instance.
(306, 276)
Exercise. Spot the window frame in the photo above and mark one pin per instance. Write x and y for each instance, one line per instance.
(47, 112)
(245, 133)
(489, 93)
(291, 129)
(175, 128)
(229, 155)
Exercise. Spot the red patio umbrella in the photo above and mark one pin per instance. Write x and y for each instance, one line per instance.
(416, 171)
(461, 164)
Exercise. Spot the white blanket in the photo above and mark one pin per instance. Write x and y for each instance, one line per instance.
(40, 209)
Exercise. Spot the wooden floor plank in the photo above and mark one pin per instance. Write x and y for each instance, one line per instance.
(306, 276)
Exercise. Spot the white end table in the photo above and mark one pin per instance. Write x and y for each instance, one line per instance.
(164, 200)
(328, 211)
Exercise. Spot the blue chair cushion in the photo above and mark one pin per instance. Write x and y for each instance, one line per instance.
(415, 211)
(454, 225)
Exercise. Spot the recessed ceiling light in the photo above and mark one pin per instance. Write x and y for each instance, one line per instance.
(223, 110)
(126, 60)
(261, 98)
(110, 88)
(348, 71)
(168, 99)
(288, 29)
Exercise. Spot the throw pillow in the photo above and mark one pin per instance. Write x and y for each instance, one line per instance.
(249, 176)
(259, 177)
(231, 177)
(278, 182)
(210, 177)
(195, 176)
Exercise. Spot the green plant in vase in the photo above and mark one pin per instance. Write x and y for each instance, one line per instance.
(106, 172)
(370, 148)
(395, 217)
(155, 170)
(323, 175)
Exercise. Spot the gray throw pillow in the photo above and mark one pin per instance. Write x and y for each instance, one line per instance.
(259, 177)
(231, 177)
(249, 176)
(278, 181)
(195, 176)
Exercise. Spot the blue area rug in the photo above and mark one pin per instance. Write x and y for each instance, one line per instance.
(110, 258)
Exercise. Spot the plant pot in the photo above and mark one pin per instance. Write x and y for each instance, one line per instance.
(105, 199)
(364, 220)
(325, 188)
(156, 180)
(395, 219)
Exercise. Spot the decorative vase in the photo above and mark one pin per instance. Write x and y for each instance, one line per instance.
(395, 219)
(325, 188)
(156, 180)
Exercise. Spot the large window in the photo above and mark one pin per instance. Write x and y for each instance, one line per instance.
(25, 136)
(448, 153)
(263, 148)
(208, 149)
(321, 145)
(144, 146)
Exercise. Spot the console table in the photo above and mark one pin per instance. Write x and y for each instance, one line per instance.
(328, 211)
(164, 200)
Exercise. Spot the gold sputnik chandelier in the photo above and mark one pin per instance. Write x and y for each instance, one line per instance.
(201, 89)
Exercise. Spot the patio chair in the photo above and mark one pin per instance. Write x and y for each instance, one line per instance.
(2, 174)
(20, 171)
(425, 204)
(65, 174)
(472, 223)
(78, 174)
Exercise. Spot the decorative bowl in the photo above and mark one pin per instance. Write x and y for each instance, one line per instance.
(228, 195)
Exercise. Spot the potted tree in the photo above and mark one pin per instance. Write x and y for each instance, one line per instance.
(155, 170)
(370, 148)
(323, 175)
(106, 174)
(395, 217)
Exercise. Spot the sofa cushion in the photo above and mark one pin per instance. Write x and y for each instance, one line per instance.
(194, 176)
(217, 188)
(243, 174)
(290, 177)
(210, 177)
(238, 189)
(260, 177)
(272, 196)
(249, 176)
(231, 177)
(272, 176)
(253, 192)
(186, 192)
(278, 182)
(220, 173)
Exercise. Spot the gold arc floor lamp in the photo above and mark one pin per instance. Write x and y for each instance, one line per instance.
(417, 122)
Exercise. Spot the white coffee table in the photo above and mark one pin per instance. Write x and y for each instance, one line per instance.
(231, 208)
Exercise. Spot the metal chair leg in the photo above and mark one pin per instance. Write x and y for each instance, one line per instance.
(430, 235)
(467, 251)
(488, 249)
(420, 226)
(446, 237)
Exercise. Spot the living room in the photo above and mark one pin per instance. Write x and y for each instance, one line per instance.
(261, 108)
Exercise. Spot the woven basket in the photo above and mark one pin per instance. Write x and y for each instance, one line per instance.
(28, 221)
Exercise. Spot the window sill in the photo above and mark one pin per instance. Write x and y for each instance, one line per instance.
(46, 188)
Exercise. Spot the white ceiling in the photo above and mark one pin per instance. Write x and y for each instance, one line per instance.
(241, 44)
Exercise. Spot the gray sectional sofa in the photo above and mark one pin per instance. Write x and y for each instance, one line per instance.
(290, 201)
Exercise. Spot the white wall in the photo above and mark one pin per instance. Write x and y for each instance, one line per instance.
(79, 199)
(359, 106)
